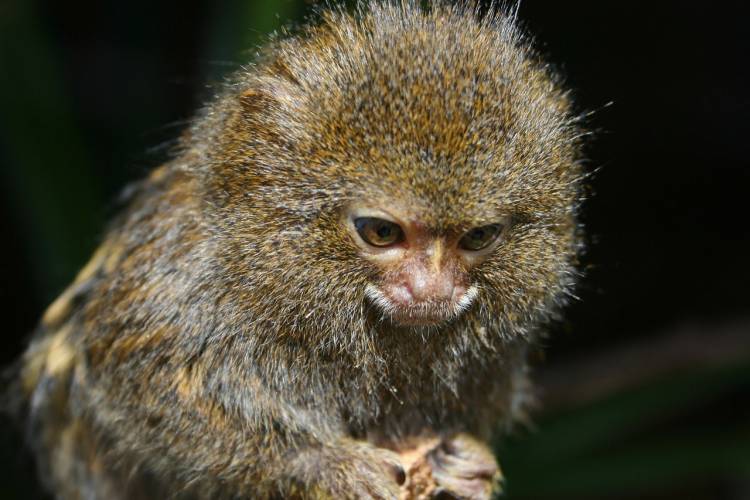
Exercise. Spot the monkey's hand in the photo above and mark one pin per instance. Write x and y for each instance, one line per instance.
(464, 468)
(347, 470)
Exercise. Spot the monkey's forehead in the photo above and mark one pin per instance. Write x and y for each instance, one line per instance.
(436, 106)
(443, 79)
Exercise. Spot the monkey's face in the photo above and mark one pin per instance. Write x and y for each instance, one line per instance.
(424, 273)
(425, 170)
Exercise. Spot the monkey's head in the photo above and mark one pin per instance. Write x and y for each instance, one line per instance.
(398, 170)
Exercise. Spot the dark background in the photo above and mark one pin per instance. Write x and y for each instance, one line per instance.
(644, 386)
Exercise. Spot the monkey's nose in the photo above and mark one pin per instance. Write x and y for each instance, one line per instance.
(427, 287)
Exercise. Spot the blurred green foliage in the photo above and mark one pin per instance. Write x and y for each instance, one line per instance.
(632, 443)
(59, 207)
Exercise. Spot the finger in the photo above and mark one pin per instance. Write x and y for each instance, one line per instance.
(473, 489)
(464, 468)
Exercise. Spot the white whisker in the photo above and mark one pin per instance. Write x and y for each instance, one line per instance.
(467, 298)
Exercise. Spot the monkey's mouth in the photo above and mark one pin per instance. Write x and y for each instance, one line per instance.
(420, 313)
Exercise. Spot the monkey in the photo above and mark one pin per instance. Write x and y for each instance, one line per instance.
(331, 288)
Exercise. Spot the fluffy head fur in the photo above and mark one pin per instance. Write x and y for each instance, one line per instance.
(228, 304)
(448, 115)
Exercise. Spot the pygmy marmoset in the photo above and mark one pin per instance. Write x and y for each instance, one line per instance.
(348, 257)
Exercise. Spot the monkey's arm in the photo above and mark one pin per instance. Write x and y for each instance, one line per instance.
(214, 425)
(123, 400)
(195, 444)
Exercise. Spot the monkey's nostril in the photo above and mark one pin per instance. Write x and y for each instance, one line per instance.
(458, 293)
(402, 294)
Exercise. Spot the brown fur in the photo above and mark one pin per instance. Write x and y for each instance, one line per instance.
(220, 343)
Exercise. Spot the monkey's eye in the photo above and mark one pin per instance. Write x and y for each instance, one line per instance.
(480, 237)
(378, 232)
